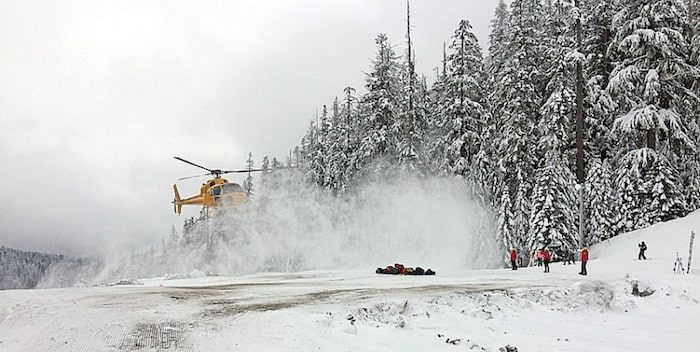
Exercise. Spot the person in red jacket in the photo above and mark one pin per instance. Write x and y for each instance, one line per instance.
(546, 256)
(513, 258)
(584, 260)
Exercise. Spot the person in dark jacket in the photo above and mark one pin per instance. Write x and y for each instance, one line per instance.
(642, 248)
(572, 256)
(513, 258)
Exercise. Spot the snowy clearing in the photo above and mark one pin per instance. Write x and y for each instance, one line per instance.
(358, 310)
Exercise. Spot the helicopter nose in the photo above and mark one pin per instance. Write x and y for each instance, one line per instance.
(239, 198)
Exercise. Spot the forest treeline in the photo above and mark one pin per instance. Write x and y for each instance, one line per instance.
(24, 269)
(507, 122)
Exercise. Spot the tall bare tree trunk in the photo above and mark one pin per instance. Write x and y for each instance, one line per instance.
(651, 139)
(580, 165)
(580, 174)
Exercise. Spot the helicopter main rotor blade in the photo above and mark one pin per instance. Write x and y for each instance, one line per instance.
(242, 171)
(188, 177)
(193, 164)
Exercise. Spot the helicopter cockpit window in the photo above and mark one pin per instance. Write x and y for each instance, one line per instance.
(215, 191)
(232, 187)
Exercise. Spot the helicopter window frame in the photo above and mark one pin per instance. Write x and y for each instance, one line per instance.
(216, 191)
(231, 188)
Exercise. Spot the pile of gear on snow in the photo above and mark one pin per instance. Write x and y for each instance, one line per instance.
(400, 269)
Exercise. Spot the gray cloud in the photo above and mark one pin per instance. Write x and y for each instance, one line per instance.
(96, 97)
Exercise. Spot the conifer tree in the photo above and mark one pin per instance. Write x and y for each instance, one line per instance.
(600, 107)
(436, 136)
(464, 117)
(517, 99)
(552, 218)
(380, 107)
(647, 190)
(651, 45)
(500, 33)
(351, 132)
(599, 212)
(558, 109)
(505, 223)
(410, 122)
(488, 157)
(337, 145)
(690, 163)
(311, 154)
(248, 182)
(649, 82)
(521, 214)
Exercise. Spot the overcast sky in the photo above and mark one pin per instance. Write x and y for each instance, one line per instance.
(96, 97)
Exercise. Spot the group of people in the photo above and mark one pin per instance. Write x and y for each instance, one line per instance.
(544, 256)
(400, 269)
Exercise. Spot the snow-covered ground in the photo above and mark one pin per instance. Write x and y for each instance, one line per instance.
(358, 310)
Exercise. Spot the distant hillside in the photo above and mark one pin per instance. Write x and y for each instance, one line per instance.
(24, 269)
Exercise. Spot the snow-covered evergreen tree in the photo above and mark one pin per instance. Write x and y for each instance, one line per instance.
(647, 190)
(464, 117)
(599, 209)
(553, 216)
(694, 20)
(436, 136)
(380, 107)
(338, 147)
(690, 162)
(558, 109)
(516, 101)
(409, 125)
(521, 215)
(352, 132)
(505, 223)
(498, 43)
(312, 153)
(649, 82)
(248, 182)
(597, 30)
(488, 158)
(600, 107)
(651, 44)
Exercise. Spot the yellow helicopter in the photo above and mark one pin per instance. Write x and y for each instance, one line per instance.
(216, 191)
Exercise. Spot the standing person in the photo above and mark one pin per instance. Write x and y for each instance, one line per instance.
(584, 260)
(565, 256)
(539, 257)
(572, 257)
(513, 258)
(546, 256)
(642, 248)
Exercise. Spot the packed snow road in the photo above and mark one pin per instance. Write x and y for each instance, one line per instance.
(182, 314)
(328, 311)
(623, 304)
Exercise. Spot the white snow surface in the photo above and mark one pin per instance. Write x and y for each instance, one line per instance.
(358, 310)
